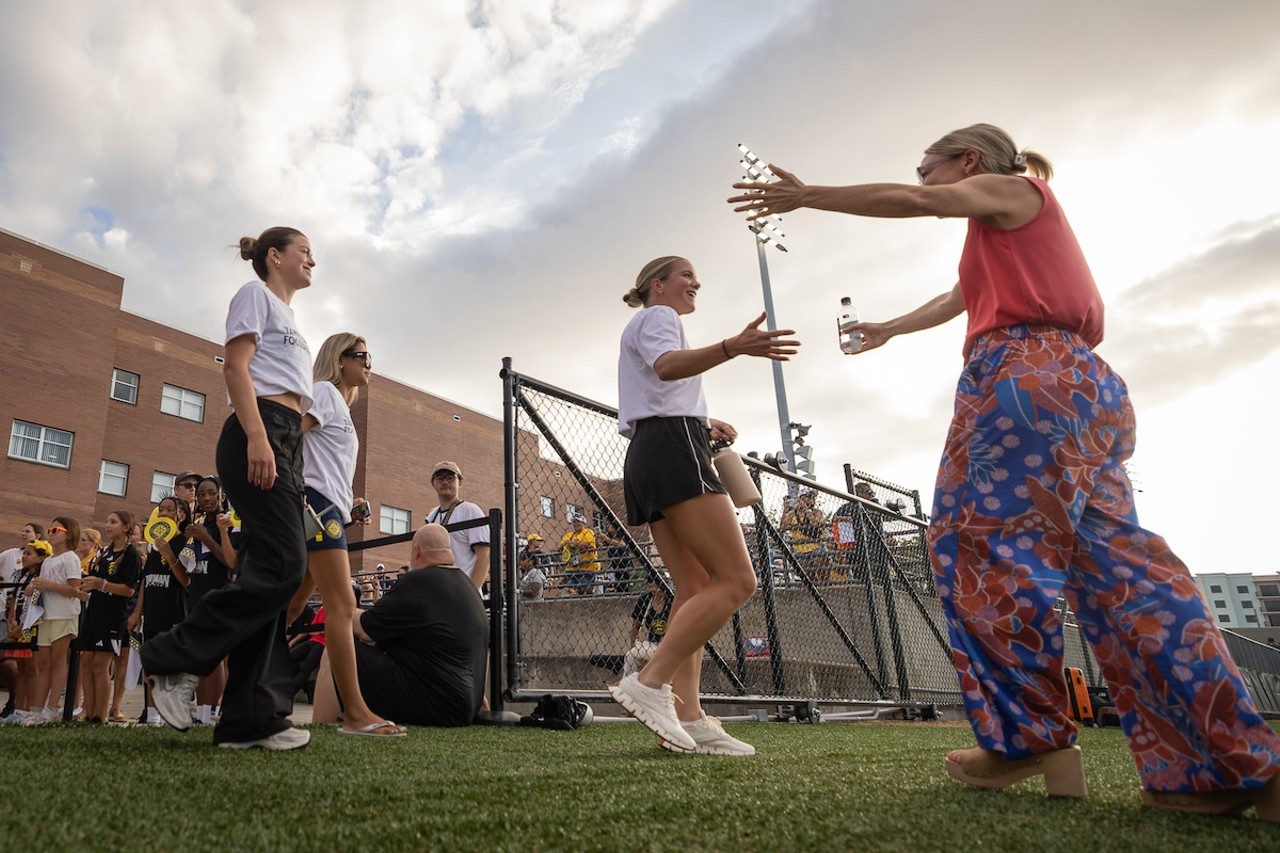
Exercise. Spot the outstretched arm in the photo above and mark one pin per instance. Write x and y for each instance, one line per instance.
(1000, 200)
(936, 311)
(752, 340)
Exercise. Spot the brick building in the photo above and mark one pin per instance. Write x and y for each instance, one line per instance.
(104, 416)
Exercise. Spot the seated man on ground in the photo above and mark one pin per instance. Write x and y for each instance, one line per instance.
(422, 647)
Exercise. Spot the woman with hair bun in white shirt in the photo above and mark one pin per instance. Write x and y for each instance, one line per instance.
(259, 456)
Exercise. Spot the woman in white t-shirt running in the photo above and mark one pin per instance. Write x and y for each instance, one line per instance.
(669, 484)
(59, 588)
(268, 374)
(329, 449)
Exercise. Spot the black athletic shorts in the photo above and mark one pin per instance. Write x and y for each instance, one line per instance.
(668, 462)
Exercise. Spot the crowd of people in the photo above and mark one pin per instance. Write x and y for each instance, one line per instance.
(115, 590)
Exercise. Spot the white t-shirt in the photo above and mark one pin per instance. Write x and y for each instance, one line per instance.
(60, 569)
(329, 449)
(10, 569)
(462, 541)
(654, 331)
(282, 362)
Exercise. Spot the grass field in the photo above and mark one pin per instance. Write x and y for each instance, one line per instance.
(835, 786)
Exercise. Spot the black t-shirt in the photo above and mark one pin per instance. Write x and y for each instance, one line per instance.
(163, 600)
(106, 612)
(208, 573)
(651, 620)
(432, 625)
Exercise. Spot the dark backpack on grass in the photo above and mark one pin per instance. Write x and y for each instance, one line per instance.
(555, 712)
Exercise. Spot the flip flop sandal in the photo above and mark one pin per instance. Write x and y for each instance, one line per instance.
(375, 730)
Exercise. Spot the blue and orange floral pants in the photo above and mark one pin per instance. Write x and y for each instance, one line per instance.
(1032, 502)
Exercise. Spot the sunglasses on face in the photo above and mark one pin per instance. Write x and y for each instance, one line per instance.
(56, 529)
(360, 355)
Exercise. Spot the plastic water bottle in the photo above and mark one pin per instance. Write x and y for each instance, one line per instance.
(850, 342)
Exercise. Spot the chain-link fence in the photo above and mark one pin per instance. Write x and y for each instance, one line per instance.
(846, 611)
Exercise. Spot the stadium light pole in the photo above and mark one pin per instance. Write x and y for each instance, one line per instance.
(767, 232)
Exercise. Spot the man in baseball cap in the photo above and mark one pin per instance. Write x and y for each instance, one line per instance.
(184, 487)
(470, 546)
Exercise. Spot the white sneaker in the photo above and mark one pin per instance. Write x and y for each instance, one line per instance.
(656, 708)
(712, 739)
(291, 738)
(14, 719)
(43, 717)
(173, 695)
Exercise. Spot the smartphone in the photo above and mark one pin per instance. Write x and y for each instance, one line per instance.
(360, 512)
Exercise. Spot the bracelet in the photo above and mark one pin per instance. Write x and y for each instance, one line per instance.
(725, 348)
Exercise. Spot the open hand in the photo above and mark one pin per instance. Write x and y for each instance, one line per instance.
(781, 196)
(763, 343)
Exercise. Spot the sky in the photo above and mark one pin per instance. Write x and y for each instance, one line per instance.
(485, 179)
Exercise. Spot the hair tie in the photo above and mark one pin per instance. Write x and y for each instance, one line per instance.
(1019, 159)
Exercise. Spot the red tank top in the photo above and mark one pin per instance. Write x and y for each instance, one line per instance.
(1033, 274)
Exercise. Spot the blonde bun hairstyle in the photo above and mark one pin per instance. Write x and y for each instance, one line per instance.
(658, 268)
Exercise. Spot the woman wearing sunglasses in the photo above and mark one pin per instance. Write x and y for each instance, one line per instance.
(59, 589)
(329, 449)
(1032, 501)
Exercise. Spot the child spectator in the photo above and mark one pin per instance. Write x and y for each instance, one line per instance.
(58, 587)
(31, 558)
(110, 586)
(162, 600)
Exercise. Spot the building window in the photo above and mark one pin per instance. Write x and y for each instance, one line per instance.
(1219, 603)
(598, 519)
(124, 386)
(113, 478)
(1224, 618)
(161, 486)
(1247, 605)
(1251, 618)
(1268, 589)
(42, 444)
(1271, 606)
(1243, 589)
(548, 506)
(1215, 589)
(182, 403)
(572, 510)
(393, 520)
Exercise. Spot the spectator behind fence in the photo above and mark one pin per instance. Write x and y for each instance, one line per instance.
(33, 555)
(110, 587)
(618, 566)
(1032, 502)
(533, 578)
(470, 546)
(59, 589)
(650, 614)
(803, 525)
(578, 551)
(423, 646)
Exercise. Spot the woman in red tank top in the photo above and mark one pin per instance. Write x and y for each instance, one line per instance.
(1032, 501)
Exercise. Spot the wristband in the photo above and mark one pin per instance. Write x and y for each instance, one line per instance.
(725, 348)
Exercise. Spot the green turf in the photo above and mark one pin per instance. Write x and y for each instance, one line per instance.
(834, 786)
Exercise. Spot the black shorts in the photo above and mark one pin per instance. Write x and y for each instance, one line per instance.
(668, 462)
(95, 641)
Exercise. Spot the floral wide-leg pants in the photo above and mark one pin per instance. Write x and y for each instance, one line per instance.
(1032, 503)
